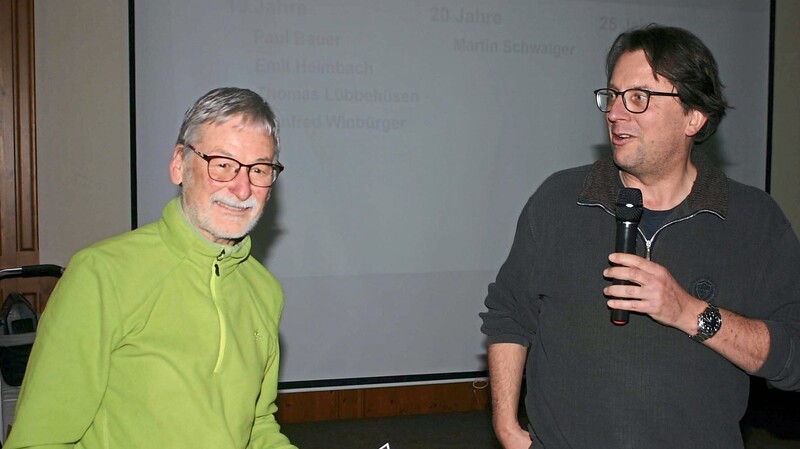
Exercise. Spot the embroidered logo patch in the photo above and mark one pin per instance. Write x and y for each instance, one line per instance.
(704, 289)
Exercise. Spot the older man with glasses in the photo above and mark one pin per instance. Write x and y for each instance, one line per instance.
(712, 295)
(167, 336)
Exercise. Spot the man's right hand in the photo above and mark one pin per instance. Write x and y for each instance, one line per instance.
(506, 364)
(514, 438)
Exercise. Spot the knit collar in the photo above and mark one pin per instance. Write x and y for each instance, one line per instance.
(709, 191)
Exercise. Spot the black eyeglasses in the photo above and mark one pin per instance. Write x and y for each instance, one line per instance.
(635, 100)
(224, 169)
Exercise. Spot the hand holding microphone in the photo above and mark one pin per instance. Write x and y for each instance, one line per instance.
(629, 209)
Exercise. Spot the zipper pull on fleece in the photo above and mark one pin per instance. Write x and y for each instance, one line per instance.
(216, 265)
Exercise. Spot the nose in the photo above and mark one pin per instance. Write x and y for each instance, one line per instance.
(617, 110)
(240, 185)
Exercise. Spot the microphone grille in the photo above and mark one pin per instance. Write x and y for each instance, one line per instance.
(629, 205)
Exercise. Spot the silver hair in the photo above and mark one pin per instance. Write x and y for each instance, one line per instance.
(224, 103)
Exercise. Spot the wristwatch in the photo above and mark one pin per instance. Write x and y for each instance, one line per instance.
(708, 324)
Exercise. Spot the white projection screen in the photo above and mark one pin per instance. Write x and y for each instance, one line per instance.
(413, 132)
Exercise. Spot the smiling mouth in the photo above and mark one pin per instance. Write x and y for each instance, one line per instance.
(620, 138)
(233, 208)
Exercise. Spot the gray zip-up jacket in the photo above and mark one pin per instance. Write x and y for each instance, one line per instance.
(643, 385)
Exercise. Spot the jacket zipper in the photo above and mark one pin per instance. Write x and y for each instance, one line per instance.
(222, 328)
(649, 243)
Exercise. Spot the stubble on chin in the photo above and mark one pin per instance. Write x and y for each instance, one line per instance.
(224, 227)
(629, 160)
(220, 226)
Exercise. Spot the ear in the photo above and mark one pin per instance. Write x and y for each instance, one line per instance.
(176, 165)
(696, 122)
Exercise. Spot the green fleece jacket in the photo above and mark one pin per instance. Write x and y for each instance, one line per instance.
(156, 338)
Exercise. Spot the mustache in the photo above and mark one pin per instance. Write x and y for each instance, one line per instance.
(221, 197)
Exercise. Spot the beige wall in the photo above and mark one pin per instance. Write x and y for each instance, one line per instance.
(786, 111)
(83, 121)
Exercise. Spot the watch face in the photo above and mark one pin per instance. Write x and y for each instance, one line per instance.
(710, 321)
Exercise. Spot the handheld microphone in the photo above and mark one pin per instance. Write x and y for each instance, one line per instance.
(629, 209)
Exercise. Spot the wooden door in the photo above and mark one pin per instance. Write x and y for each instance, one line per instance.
(19, 243)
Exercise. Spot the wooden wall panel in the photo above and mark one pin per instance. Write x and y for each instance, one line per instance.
(308, 406)
(350, 404)
(382, 402)
(19, 232)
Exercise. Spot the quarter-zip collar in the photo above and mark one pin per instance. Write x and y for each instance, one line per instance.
(709, 191)
(184, 239)
(219, 261)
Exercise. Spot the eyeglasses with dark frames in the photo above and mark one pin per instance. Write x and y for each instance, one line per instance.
(224, 169)
(635, 100)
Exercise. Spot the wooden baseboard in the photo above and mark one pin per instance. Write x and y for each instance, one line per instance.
(382, 402)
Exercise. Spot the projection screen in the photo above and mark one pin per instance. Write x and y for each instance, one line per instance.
(413, 132)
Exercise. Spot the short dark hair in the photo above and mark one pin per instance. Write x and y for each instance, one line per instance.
(221, 104)
(682, 58)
